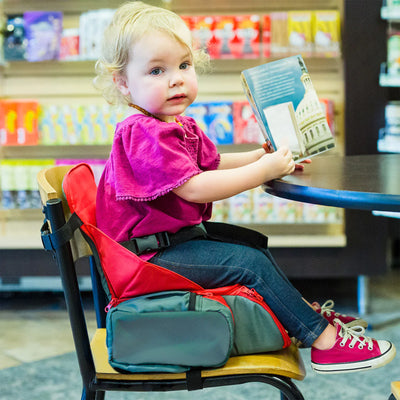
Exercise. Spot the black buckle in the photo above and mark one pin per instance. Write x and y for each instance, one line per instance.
(144, 244)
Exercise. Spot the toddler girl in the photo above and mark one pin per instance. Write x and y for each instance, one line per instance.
(163, 174)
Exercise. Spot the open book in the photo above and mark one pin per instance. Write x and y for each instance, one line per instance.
(287, 107)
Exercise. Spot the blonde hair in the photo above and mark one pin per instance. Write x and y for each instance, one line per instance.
(130, 23)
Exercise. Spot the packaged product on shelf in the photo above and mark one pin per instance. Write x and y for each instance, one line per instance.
(202, 30)
(9, 123)
(7, 180)
(300, 32)
(14, 39)
(393, 50)
(21, 172)
(328, 106)
(223, 40)
(246, 43)
(220, 122)
(220, 211)
(266, 36)
(69, 47)
(199, 112)
(241, 208)
(34, 166)
(27, 122)
(245, 126)
(263, 207)
(326, 33)
(91, 28)
(43, 33)
(279, 33)
(389, 136)
(288, 211)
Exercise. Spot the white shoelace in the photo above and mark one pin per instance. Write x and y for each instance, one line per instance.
(327, 308)
(355, 334)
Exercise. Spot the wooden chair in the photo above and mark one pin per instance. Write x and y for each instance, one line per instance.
(276, 369)
(395, 386)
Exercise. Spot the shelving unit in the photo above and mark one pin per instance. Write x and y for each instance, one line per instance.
(324, 249)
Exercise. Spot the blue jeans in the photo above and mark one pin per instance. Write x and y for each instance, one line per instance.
(216, 264)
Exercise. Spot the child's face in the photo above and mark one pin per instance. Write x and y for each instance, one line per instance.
(160, 76)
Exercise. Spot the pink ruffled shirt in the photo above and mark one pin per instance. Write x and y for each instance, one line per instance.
(149, 158)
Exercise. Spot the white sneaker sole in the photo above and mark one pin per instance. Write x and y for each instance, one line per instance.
(342, 368)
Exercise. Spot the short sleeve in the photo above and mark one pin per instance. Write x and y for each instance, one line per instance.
(154, 157)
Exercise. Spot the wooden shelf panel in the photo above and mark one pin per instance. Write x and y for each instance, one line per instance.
(66, 6)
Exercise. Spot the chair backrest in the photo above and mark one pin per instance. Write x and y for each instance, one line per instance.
(50, 187)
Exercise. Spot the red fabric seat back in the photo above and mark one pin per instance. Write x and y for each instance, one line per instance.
(126, 274)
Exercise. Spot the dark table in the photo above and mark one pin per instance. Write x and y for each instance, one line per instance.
(365, 182)
(368, 182)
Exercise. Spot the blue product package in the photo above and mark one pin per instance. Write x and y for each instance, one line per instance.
(220, 120)
(14, 39)
(199, 111)
(43, 31)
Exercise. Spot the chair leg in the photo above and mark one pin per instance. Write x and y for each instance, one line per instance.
(100, 395)
(89, 395)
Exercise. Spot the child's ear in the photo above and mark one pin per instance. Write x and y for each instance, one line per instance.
(121, 83)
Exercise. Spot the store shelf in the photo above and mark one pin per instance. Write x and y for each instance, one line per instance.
(71, 151)
(390, 13)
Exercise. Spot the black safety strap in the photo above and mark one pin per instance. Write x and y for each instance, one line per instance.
(54, 240)
(162, 240)
(221, 231)
(193, 379)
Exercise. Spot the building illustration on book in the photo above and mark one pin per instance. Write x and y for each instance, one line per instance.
(287, 107)
(311, 119)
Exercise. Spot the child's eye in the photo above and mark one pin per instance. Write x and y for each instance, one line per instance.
(156, 71)
(184, 65)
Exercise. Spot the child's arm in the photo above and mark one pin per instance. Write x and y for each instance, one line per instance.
(223, 183)
(234, 160)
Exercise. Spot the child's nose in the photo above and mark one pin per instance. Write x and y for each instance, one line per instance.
(176, 78)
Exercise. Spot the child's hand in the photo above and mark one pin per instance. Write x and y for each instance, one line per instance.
(279, 163)
(300, 167)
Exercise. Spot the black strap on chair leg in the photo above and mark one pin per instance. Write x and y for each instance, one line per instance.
(193, 379)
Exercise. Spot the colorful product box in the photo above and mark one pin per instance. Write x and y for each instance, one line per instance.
(19, 122)
(246, 128)
(279, 33)
(43, 32)
(328, 107)
(300, 32)
(326, 33)
(69, 47)
(222, 44)
(202, 30)
(247, 36)
(266, 36)
(220, 122)
(199, 112)
(240, 208)
(18, 182)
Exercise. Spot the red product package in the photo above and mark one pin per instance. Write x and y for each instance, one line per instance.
(8, 122)
(246, 129)
(224, 39)
(329, 110)
(202, 31)
(247, 38)
(266, 36)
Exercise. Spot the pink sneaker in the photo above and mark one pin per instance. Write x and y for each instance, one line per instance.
(327, 311)
(352, 352)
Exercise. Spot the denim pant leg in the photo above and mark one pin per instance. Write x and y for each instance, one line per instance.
(216, 264)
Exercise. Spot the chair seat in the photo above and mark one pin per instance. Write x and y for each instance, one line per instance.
(286, 362)
(396, 389)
